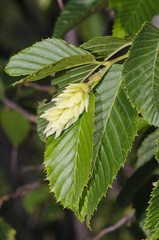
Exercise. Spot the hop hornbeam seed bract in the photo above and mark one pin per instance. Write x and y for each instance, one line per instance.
(69, 105)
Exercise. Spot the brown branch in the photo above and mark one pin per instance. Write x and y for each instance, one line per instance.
(37, 86)
(20, 191)
(60, 3)
(14, 106)
(14, 158)
(127, 219)
(33, 168)
(129, 170)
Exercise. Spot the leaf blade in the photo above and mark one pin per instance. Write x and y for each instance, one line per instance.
(105, 47)
(40, 55)
(107, 159)
(147, 149)
(152, 220)
(63, 64)
(68, 159)
(73, 75)
(15, 125)
(131, 14)
(144, 76)
(74, 12)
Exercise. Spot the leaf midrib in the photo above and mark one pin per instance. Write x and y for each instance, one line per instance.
(115, 96)
(77, 156)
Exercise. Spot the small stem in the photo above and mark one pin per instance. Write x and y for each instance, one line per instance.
(100, 63)
(16, 107)
(32, 168)
(14, 157)
(119, 58)
(108, 64)
(127, 219)
(60, 3)
(101, 75)
(20, 191)
(37, 86)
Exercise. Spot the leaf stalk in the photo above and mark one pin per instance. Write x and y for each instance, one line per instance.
(96, 78)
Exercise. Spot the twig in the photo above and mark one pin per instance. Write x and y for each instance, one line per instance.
(20, 191)
(60, 3)
(37, 86)
(14, 156)
(14, 106)
(127, 219)
(33, 168)
(129, 170)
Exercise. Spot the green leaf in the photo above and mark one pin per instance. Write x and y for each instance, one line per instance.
(131, 14)
(105, 47)
(101, 47)
(141, 73)
(15, 126)
(142, 124)
(147, 149)
(74, 75)
(68, 159)
(74, 12)
(64, 63)
(40, 55)
(41, 205)
(93, 26)
(152, 221)
(33, 199)
(6, 232)
(115, 129)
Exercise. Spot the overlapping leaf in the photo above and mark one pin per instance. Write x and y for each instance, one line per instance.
(142, 124)
(74, 75)
(152, 221)
(64, 63)
(101, 48)
(105, 47)
(131, 14)
(74, 12)
(15, 125)
(147, 149)
(115, 128)
(68, 159)
(141, 73)
(40, 55)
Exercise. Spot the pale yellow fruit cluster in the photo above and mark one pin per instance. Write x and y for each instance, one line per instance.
(68, 107)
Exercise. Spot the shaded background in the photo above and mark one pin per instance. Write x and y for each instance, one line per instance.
(26, 204)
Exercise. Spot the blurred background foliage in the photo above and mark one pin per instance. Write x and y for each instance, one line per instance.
(28, 211)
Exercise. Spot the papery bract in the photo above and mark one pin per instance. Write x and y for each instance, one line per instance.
(69, 105)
